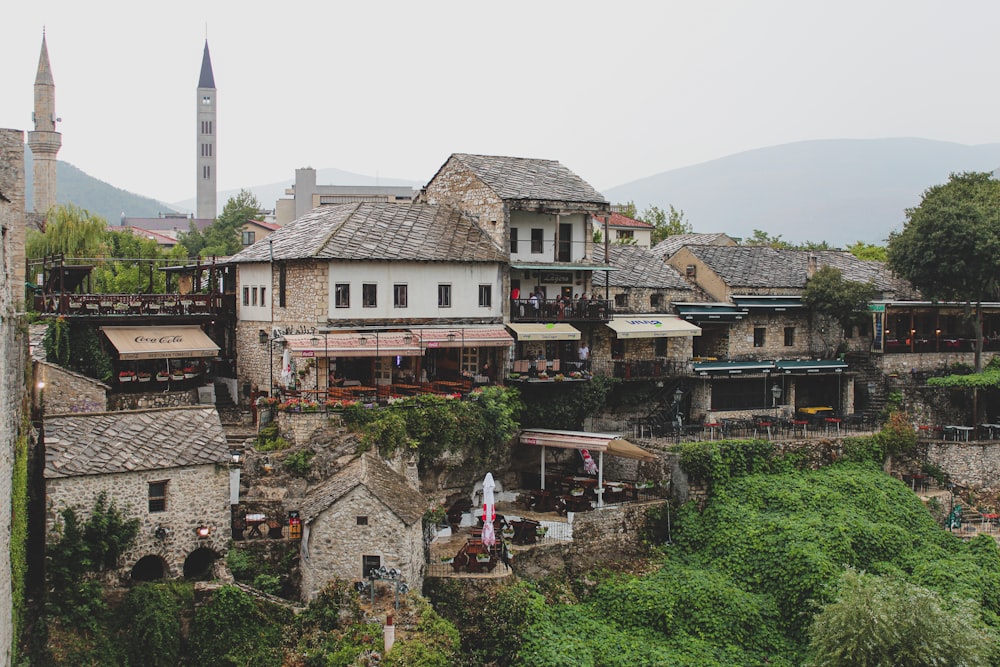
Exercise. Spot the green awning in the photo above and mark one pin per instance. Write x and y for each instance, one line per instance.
(563, 266)
(733, 367)
(821, 366)
(775, 303)
(707, 312)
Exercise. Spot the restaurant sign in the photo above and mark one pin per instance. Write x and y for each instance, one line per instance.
(556, 277)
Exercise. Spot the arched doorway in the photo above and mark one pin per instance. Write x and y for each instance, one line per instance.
(149, 568)
(198, 564)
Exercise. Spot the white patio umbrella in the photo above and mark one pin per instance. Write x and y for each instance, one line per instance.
(286, 368)
(489, 511)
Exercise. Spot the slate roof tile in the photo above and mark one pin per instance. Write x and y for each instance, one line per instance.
(637, 267)
(384, 483)
(95, 443)
(378, 231)
(672, 244)
(529, 178)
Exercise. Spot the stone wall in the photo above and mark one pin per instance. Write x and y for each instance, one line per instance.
(171, 399)
(334, 543)
(66, 391)
(13, 357)
(901, 364)
(456, 186)
(974, 465)
(196, 496)
(298, 427)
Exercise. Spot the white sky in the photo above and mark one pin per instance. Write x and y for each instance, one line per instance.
(614, 90)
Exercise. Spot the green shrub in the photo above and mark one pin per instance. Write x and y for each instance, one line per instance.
(269, 440)
(299, 462)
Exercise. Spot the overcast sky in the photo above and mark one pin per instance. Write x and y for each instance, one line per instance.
(614, 90)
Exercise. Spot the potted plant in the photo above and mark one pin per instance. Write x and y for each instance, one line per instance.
(126, 376)
(482, 558)
(578, 491)
(145, 376)
(162, 376)
(541, 530)
(507, 532)
(447, 559)
(189, 372)
(177, 374)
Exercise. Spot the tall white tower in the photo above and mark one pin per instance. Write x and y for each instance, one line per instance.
(44, 142)
(207, 129)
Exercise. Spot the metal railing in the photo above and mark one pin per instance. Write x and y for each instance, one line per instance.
(550, 310)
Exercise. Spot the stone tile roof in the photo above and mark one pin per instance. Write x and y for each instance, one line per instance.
(672, 244)
(761, 267)
(529, 178)
(99, 443)
(384, 483)
(637, 267)
(378, 231)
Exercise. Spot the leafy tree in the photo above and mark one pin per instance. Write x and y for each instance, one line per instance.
(76, 346)
(762, 238)
(665, 223)
(150, 619)
(828, 296)
(882, 621)
(223, 237)
(868, 251)
(236, 629)
(950, 245)
(70, 231)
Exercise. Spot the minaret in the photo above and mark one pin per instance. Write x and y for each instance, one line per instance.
(206, 140)
(44, 142)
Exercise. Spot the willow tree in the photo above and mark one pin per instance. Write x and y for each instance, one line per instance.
(70, 231)
(950, 246)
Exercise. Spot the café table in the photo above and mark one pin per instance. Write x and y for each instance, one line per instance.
(254, 522)
(711, 428)
(361, 391)
(991, 429)
(406, 389)
(816, 410)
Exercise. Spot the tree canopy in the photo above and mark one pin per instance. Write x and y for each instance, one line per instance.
(950, 244)
(223, 237)
(827, 294)
(665, 223)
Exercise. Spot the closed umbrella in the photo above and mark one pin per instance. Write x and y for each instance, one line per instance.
(286, 368)
(489, 511)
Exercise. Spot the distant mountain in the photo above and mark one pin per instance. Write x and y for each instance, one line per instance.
(268, 194)
(96, 196)
(839, 190)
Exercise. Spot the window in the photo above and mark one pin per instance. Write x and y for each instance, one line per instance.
(759, 336)
(369, 295)
(206, 99)
(246, 296)
(625, 234)
(513, 240)
(368, 564)
(206, 150)
(362, 520)
(282, 284)
(789, 336)
(536, 241)
(248, 238)
(621, 300)
(206, 127)
(342, 295)
(158, 496)
(660, 346)
(263, 297)
(399, 296)
(206, 172)
(690, 271)
(444, 296)
(485, 296)
(253, 296)
(655, 300)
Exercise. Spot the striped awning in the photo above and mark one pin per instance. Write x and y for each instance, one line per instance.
(355, 344)
(466, 336)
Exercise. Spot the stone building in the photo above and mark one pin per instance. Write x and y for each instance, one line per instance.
(668, 246)
(13, 358)
(166, 467)
(644, 340)
(67, 391)
(365, 516)
(620, 228)
(370, 292)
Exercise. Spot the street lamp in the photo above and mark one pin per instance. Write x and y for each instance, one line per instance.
(775, 395)
(678, 395)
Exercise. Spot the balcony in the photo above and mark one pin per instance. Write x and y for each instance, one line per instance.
(110, 306)
(593, 310)
(640, 369)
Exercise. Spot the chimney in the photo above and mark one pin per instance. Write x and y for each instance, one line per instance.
(812, 266)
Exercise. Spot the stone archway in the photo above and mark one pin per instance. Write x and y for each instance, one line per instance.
(198, 564)
(149, 568)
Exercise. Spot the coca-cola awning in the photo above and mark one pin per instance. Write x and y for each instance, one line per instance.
(161, 342)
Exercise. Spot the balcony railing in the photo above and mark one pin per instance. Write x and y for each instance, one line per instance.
(110, 305)
(549, 310)
(640, 369)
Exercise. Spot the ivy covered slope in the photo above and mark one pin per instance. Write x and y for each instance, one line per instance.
(767, 554)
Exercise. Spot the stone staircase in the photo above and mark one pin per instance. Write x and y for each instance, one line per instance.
(869, 384)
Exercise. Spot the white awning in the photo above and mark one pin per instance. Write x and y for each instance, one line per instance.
(544, 331)
(652, 326)
(594, 442)
(161, 342)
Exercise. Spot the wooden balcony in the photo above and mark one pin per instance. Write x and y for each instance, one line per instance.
(111, 306)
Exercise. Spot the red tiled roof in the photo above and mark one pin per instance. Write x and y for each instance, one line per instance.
(266, 225)
(619, 220)
(161, 239)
